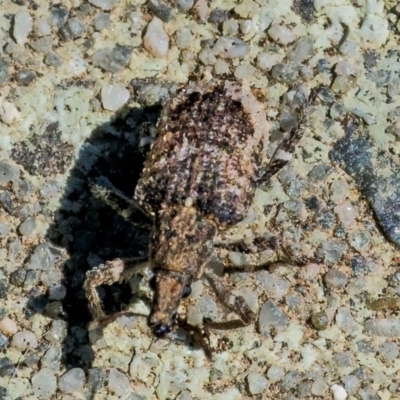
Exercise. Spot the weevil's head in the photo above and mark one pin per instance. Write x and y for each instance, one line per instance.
(170, 287)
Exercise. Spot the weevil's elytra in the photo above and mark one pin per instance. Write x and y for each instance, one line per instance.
(199, 179)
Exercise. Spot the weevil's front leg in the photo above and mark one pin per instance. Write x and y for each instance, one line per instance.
(111, 272)
(127, 208)
(234, 304)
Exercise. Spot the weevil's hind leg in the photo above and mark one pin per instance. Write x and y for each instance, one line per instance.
(235, 304)
(127, 208)
(111, 272)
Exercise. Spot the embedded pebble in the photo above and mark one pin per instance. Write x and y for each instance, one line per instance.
(102, 21)
(359, 240)
(114, 97)
(42, 258)
(52, 359)
(8, 172)
(271, 316)
(4, 67)
(339, 393)
(275, 373)
(320, 320)
(281, 34)
(4, 229)
(335, 279)
(257, 383)
(302, 50)
(42, 27)
(161, 9)
(4, 342)
(24, 340)
(156, 40)
(44, 383)
(118, 383)
(383, 327)
(112, 59)
(27, 227)
(275, 287)
(201, 10)
(57, 292)
(104, 4)
(230, 47)
(266, 61)
(73, 29)
(23, 25)
(8, 112)
(345, 68)
(184, 5)
(72, 380)
(8, 326)
(52, 59)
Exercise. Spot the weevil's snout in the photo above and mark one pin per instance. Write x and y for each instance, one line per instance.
(170, 287)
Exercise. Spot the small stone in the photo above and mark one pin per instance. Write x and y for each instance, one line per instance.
(57, 332)
(57, 292)
(221, 67)
(96, 379)
(4, 342)
(8, 173)
(43, 45)
(230, 27)
(4, 73)
(272, 316)
(42, 258)
(339, 393)
(23, 25)
(102, 21)
(275, 373)
(351, 383)
(257, 383)
(54, 310)
(326, 95)
(201, 10)
(8, 112)
(359, 240)
(337, 110)
(8, 326)
(114, 97)
(52, 359)
(27, 227)
(266, 61)
(184, 5)
(227, 47)
(246, 26)
(42, 27)
(383, 327)
(52, 59)
(291, 380)
(113, 59)
(335, 279)
(319, 387)
(58, 15)
(118, 383)
(275, 287)
(218, 15)
(7, 368)
(24, 340)
(44, 383)
(161, 9)
(156, 40)
(183, 38)
(389, 351)
(285, 73)
(344, 68)
(3, 289)
(343, 83)
(73, 380)
(320, 320)
(73, 29)
(302, 50)
(104, 4)
(281, 34)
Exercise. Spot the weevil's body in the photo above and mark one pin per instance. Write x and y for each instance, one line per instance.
(199, 178)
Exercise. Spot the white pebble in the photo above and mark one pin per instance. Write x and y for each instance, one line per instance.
(257, 383)
(344, 68)
(202, 10)
(281, 34)
(114, 97)
(374, 30)
(24, 340)
(104, 4)
(346, 213)
(338, 392)
(44, 383)
(118, 383)
(8, 112)
(22, 26)
(8, 326)
(42, 27)
(245, 26)
(156, 41)
(266, 61)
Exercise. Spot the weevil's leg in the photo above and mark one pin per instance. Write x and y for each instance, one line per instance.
(262, 251)
(128, 208)
(106, 274)
(234, 304)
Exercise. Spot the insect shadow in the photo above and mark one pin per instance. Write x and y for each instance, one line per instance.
(93, 233)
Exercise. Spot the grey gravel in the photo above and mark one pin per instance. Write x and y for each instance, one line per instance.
(118, 383)
(161, 9)
(184, 5)
(335, 279)
(53, 59)
(102, 21)
(72, 380)
(271, 316)
(73, 29)
(44, 383)
(113, 59)
(4, 66)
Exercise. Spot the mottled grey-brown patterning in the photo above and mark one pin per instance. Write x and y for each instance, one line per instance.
(205, 151)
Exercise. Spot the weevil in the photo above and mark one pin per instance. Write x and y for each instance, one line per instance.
(199, 180)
